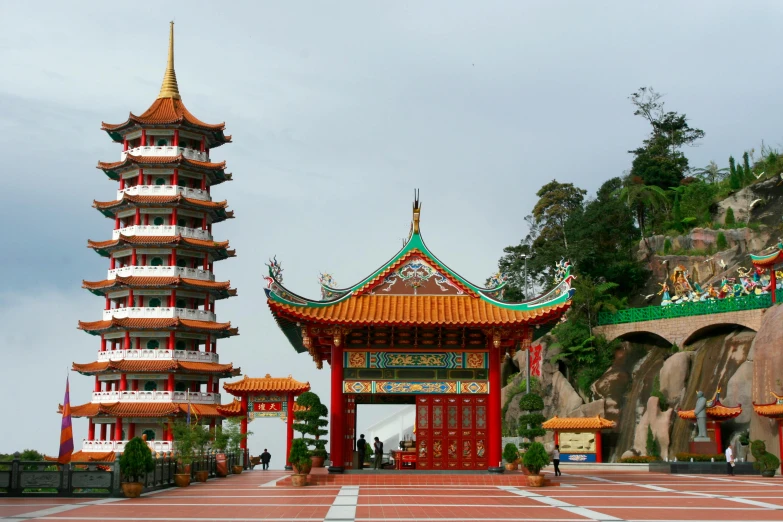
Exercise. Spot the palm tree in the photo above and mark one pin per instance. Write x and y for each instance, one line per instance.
(711, 172)
(641, 197)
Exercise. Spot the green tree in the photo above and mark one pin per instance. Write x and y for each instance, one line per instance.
(712, 173)
(653, 447)
(530, 422)
(749, 178)
(311, 420)
(136, 460)
(729, 219)
(557, 201)
(734, 180)
(642, 199)
(722, 244)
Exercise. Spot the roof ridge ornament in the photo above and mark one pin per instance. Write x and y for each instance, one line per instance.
(169, 88)
(416, 212)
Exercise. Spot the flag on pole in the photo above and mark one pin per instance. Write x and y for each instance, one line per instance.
(66, 431)
(188, 417)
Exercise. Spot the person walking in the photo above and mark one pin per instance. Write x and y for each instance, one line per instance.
(556, 460)
(265, 458)
(361, 447)
(729, 461)
(377, 448)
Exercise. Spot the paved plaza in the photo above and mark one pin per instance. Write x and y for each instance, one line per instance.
(584, 496)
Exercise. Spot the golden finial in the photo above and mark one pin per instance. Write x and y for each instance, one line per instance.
(416, 211)
(169, 89)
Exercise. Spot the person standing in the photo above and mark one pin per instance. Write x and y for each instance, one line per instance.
(265, 458)
(377, 448)
(556, 460)
(361, 447)
(730, 460)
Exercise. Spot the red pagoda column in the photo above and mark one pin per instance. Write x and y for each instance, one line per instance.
(773, 283)
(289, 435)
(336, 427)
(599, 455)
(243, 422)
(494, 409)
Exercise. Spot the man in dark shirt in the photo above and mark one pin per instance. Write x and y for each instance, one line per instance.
(361, 447)
(265, 458)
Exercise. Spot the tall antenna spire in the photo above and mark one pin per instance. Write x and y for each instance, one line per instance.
(169, 89)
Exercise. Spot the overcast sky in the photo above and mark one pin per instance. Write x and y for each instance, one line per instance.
(338, 111)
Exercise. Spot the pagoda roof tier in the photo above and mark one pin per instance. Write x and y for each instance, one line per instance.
(414, 288)
(142, 409)
(156, 366)
(773, 410)
(222, 330)
(219, 249)
(770, 259)
(216, 208)
(578, 423)
(216, 289)
(267, 384)
(715, 410)
(215, 170)
(168, 110)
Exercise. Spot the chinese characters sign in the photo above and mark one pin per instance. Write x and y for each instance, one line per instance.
(260, 406)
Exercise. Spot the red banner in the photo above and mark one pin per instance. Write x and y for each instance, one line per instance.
(535, 361)
(267, 406)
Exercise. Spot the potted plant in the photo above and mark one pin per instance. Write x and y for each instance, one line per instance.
(744, 442)
(300, 461)
(184, 444)
(135, 462)
(311, 420)
(536, 458)
(511, 456)
(202, 436)
(766, 462)
(219, 445)
(235, 438)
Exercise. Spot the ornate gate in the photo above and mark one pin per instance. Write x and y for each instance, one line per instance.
(451, 432)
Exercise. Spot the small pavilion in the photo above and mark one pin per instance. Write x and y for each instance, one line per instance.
(773, 410)
(579, 438)
(716, 414)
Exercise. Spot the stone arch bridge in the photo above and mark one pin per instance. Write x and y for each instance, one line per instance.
(682, 330)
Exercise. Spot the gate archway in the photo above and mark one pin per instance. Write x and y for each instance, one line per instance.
(266, 397)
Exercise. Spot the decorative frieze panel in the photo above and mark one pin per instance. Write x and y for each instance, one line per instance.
(450, 360)
(264, 406)
(416, 387)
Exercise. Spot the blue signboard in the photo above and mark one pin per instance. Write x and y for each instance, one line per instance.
(577, 457)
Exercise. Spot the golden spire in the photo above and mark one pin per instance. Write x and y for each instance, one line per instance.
(169, 89)
(416, 211)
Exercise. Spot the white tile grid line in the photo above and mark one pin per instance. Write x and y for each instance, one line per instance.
(59, 509)
(343, 508)
(735, 481)
(565, 506)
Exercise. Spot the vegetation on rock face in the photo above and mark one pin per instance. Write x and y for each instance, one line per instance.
(729, 220)
(530, 422)
(663, 404)
(653, 447)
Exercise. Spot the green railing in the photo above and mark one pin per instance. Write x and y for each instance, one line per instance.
(672, 311)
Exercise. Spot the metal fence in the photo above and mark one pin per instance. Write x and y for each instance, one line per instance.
(20, 478)
(672, 311)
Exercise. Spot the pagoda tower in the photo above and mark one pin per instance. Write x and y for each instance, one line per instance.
(158, 358)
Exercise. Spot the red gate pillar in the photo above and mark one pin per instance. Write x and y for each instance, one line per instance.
(599, 454)
(289, 435)
(243, 425)
(772, 283)
(336, 427)
(493, 430)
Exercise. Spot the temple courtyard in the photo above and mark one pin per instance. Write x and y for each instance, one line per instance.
(578, 496)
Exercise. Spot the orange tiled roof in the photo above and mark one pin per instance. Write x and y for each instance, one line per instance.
(87, 456)
(157, 282)
(716, 412)
(578, 423)
(266, 384)
(160, 200)
(421, 309)
(158, 240)
(155, 366)
(166, 111)
(131, 159)
(153, 324)
(142, 409)
(773, 410)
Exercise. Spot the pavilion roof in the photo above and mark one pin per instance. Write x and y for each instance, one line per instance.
(717, 411)
(217, 208)
(156, 366)
(770, 259)
(578, 423)
(773, 410)
(168, 109)
(142, 409)
(158, 161)
(218, 248)
(266, 384)
(219, 289)
(97, 327)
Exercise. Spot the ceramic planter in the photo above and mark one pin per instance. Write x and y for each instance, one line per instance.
(298, 480)
(182, 480)
(202, 476)
(132, 489)
(236, 470)
(318, 462)
(535, 481)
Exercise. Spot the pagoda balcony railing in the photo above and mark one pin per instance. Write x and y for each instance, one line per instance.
(167, 150)
(164, 190)
(156, 396)
(162, 271)
(155, 355)
(162, 230)
(103, 446)
(672, 311)
(159, 312)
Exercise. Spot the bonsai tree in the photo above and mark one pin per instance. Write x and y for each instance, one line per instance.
(185, 441)
(311, 420)
(300, 456)
(510, 452)
(136, 460)
(766, 462)
(530, 423)
(536, 458)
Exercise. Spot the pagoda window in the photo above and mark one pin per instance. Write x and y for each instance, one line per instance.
(162, 143)
(153, 344)
(150, 386)
(182, 263)
(160, 181)
(156, 261)
(181, 386)
(155, 303)
(158, 221)
(149, 433)
(181, 303)
(182, 223)
(181, 345)
(182, 182)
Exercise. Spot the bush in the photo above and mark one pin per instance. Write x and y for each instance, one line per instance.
(744, 438)
(136, 460)
(667, 246)
(530, 423)
(653, 447)
(536, 458)
(311, 420)
(184, 441)
(700, 457)
(299, 456)
(510, 452)
(656, 392)
(722, 244)
(641, 459)
(765, 461)
(729, 220)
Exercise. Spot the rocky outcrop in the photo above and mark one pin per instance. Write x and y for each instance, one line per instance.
(767, 372)
(674, 375)
(591, 409)
(659, 422)
(739, 391)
